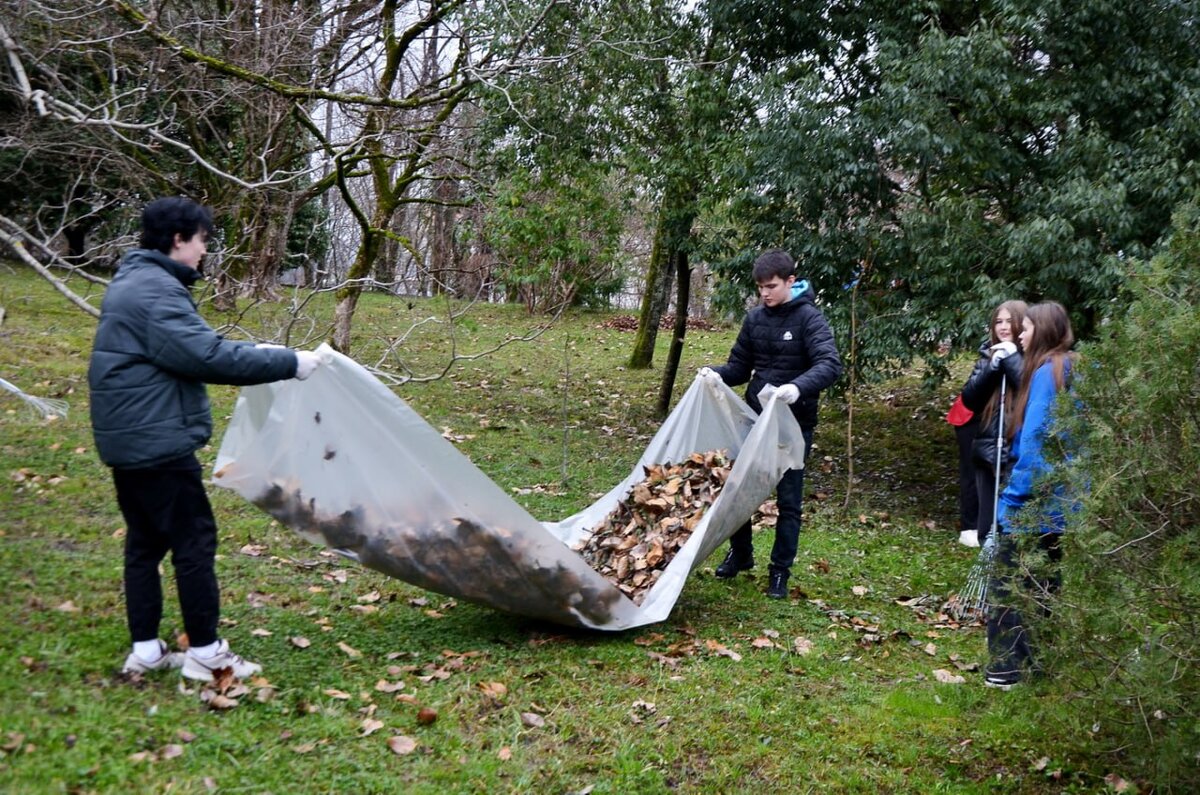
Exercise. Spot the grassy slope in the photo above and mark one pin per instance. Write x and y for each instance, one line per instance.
(854, 715)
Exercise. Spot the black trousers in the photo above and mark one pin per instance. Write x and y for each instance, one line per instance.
(789, 498)
(166, 510)
(985, 490)
(1008, 630)
(968, 497)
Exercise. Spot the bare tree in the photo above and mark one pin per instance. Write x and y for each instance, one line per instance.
(258, 107)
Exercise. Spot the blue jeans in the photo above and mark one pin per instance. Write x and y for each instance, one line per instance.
(789, 496)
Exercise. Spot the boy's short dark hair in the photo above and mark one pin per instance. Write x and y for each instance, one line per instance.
(775, 262)
(162, 219)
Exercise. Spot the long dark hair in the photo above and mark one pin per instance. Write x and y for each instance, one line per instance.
(1051, 341)
(1016, 314)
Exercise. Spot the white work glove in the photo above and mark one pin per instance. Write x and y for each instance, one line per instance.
(709, 374)
(1002, 350)
(306, 362)
(788, 393)
(269, 345)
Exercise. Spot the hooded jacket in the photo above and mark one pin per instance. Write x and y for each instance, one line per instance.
(152, 355)
(789, 343)
(984, 382)
(1031, 465)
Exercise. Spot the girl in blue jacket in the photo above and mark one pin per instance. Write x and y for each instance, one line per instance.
(1046, 338)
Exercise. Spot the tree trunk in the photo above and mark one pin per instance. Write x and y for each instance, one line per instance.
(364, 261)
(683, 279)
(676, 215)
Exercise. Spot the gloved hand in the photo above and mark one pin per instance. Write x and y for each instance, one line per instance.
(1000, 351)
(788, 393)
(709, 374)
(269, 345)
(306, 362)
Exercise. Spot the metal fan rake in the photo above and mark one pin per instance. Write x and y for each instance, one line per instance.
(42, 408)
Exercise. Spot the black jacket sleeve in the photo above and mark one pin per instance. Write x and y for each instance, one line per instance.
(826, 365)
(984, 380)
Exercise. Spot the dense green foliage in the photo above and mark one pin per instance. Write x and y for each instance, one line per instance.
(555, 239)
(945, 156)
(1129, 622)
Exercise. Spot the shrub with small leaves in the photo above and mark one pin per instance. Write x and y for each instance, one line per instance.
(1129, 618)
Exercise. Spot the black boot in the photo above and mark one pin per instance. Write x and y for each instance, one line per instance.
(733, 563)
(778, 587)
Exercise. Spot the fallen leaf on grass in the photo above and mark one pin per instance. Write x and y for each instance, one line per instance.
(370, 598)
(860, 590)
(171, 751)
(402, 745)
(717, 648)
(930, 649)
(426, 716)
(340, 695)
(647, 640)
(533, 720)
(261, 633)
(143, 756)
(216, 701)
(1117, 783)
(662, 659)
(947, 678)
(641, 710)
(349, 650)
(493, 689)
(802, 646)
(504, 754)
(370, 726)
(301, 642)
(67, 607)
(185, 736)
(384, 686)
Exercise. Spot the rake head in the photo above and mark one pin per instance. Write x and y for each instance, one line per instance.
(41, 408)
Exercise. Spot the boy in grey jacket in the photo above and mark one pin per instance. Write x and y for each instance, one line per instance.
(151, 358)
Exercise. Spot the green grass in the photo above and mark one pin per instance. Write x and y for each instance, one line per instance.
(857, 714)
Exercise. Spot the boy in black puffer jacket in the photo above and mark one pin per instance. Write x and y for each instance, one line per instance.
(151, 358)
(785, 342)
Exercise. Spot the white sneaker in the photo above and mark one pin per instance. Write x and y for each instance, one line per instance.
(167, 661)
(203, 668)
(969, 538)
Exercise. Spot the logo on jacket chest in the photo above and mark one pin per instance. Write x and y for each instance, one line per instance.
(787, 335)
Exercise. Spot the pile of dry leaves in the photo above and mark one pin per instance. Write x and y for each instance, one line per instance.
(634, 543)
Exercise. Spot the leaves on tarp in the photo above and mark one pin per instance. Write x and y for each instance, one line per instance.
(634, 544)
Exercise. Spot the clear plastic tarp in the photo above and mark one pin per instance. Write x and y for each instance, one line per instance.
(345, 462)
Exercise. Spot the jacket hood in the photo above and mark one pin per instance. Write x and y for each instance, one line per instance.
(148, 257)
(802, 293)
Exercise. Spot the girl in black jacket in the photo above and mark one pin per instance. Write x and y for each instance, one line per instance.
(999, 358)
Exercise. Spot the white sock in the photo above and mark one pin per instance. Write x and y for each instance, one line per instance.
(206, 651)
(148, 650)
